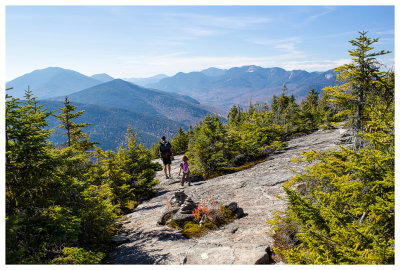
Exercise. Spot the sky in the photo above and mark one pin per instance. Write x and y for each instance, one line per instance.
(142, 41)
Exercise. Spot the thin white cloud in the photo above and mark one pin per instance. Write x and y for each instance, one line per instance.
(224, 22)
(200, 31)
(315, 16)
(387, 32)
(286, 45)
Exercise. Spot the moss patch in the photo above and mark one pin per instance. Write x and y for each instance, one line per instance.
(214, 219)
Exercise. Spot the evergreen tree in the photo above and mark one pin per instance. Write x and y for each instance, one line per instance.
(344, 211)
(130, 173)
(47, 206)
(180, 142)
(309, 114)
(207, 146)
(28, 157)
(75, 136)
(361, 80)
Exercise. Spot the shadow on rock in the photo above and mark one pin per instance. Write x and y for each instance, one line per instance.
(149, 208)
(165, 236)
(158, 194)
(134, 255)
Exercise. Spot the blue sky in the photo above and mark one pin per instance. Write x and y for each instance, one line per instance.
(142, 41)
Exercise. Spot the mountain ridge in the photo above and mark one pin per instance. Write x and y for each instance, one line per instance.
(50, 82)
(108, 125)
(240, 85)
(122, 94)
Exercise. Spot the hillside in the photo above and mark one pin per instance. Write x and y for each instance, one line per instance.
(240, 85)
(103, 77)
(242, 242)
(51, 82)
(124, 95)
(146, 81)
(109, 125)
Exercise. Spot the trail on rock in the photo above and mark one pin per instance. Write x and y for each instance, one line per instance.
(241, 242)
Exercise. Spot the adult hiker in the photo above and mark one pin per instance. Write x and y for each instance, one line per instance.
(166, 154)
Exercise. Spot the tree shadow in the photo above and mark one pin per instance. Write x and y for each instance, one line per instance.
(135, 254)
(158, 194)
(149, 208)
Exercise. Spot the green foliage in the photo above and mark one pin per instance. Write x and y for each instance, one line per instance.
(341, 209)
(361, 82)
(191, 229)
(73, 255)
(155, 151)
(180, 142)
(208, 147)
(213, 146)
(130, 173)
(60, 197)
(214, 219)
(75, 136)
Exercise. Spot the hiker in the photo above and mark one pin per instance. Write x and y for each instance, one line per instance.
(184, 168)
(166, 154)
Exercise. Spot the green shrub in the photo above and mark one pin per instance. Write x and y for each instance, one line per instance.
(74, 255)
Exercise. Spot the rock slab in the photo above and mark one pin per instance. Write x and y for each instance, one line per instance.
(245, 241)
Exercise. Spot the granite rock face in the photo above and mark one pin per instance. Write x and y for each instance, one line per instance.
(245, 240)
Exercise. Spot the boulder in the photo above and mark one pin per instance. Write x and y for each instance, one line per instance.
(185, 212)
(267, 258)
(188, 206)
(180, 218)
(178, 198)
(232, 206)
(167, 215)
(238, 213)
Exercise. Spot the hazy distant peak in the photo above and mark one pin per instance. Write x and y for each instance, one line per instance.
(146, 81)
(102, 77)
(212, 71)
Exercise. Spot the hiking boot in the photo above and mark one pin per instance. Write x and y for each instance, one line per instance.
(166, 176)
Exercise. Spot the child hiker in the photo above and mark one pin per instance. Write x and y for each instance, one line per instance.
(184, 168)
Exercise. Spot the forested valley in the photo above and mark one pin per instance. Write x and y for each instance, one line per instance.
(63, 202)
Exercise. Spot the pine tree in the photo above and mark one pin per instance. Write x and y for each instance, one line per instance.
(75, 136)
(28, 158)
(341, 209)
(309, 111)
(207, 146)
(180, 142)
(130, 173)
(360, 81)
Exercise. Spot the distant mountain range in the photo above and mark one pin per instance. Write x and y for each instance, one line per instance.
(146, 81)
(161, 104)
(112, 105)
(102, 77)
(109, 125)
(125, 95)
(51, 82)
(240, 85)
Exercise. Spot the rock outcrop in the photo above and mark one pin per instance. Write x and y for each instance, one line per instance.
(245, 240)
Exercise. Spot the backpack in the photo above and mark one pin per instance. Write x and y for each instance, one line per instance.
(185, 166)
(165, 148)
